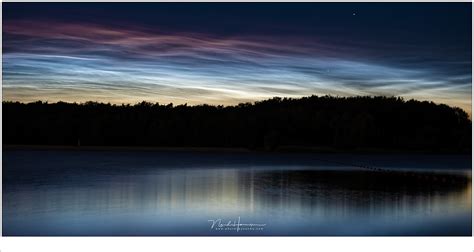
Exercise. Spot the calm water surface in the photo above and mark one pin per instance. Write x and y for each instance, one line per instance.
(67, 192)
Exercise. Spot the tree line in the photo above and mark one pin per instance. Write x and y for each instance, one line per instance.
(321, 122)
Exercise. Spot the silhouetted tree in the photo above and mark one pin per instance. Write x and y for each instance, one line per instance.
(337, 123)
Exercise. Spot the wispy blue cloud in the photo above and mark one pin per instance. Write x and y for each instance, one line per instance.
(48, 60)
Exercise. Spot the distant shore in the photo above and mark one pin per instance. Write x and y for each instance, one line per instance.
(123, 148)
(282, 149)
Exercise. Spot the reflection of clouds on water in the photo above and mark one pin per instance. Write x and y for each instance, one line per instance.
(287, 198)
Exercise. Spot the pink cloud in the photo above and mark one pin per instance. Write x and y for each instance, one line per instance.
(157, 43)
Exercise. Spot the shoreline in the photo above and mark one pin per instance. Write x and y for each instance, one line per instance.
(281, 150)
(122, 148)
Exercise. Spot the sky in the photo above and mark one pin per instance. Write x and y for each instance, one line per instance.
(228, 53)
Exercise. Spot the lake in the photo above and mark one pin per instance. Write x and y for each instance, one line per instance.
(186, 193)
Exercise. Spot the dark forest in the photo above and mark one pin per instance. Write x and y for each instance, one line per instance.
(311, 123)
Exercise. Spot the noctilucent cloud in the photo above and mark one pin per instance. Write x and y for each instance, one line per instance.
(227, 53)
